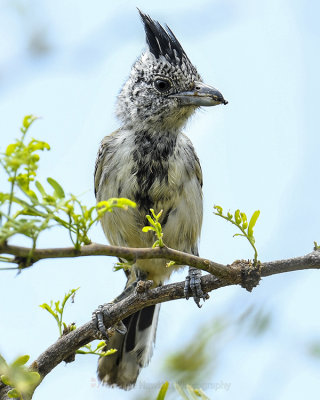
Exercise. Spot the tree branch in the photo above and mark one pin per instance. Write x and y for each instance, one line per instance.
(227, 275)
(226, 272)
(22, 254)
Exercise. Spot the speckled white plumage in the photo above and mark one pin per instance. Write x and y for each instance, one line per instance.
(149, 160)
(179, 196)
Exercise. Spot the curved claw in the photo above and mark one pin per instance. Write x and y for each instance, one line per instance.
(193, 283)
(97, 319)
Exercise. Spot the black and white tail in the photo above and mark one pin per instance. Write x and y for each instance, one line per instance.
(134, 349)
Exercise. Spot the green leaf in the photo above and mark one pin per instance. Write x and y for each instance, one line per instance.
(163, 391)
(237, 217)
(35, 145)
(46, 306)
(252, 222)
(5, 380)
(34, 377)
(21, 360)
(123, 202)
(219, 209)
(30, 193)
(147, 229)
(240, 221)
(151, 221)
(170, 264)
(57, 188)
(14, 393)
(156, 216)
(11, 148)
(239, 234)
(40, 188)
(28, 120)
(108, 352)
(244, 220)
(56, 305)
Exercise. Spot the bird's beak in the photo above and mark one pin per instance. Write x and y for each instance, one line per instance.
(201, 95)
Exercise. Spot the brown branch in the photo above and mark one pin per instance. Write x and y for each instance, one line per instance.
(130, 254)
(226, 272)
(233, 274)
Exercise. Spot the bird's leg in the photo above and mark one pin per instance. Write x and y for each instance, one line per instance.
(103, 309)
(98, 321)
(193, 284)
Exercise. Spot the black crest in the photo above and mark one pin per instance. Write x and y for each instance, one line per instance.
(162, 42)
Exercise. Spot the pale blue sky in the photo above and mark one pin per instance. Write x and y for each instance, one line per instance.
(258, 152)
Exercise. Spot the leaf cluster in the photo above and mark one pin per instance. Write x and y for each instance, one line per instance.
(155, 227)
(98, 350)
(56, 309)
(122, 266)
(240, 220)
(28, 208)
(18, 376)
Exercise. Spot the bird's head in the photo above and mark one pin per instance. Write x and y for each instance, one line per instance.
(163, 88)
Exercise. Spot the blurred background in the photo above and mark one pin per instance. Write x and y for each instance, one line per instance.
(66, 61)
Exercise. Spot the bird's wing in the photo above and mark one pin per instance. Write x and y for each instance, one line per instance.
(191, 154)
(101, 158)
(198, 170)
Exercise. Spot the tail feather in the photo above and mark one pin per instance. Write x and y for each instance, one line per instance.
(134, 349)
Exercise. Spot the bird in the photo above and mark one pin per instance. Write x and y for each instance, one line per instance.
(151, 161)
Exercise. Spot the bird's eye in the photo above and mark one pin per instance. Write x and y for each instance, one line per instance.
(162, 85)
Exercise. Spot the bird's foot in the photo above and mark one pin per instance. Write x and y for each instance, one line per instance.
(98, 321)
(193, 284)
